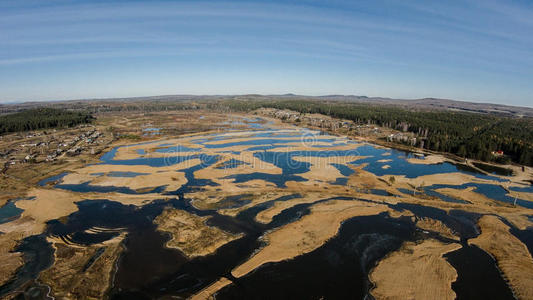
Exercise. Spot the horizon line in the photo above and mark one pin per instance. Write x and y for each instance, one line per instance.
(15, 102)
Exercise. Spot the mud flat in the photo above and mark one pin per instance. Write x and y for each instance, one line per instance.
(416, 271)
(511, 255)
(308, 233)
(190, 234)
(82, 272)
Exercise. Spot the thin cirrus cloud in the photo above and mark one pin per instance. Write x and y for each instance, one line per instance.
(471, 49)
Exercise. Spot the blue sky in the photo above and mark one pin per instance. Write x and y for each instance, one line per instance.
(478, 50)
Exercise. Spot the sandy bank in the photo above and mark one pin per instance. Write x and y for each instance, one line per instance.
(512, 256)
(207, 293)
(439, 178)
(47, 205)
(266, 215)
(150, 176)
(308, 233)
(50, 204)
(428, 160)
(416, 271)
(384, 160)
(469, 195)
(322, 169)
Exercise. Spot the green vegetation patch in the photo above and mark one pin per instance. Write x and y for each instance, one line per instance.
(42, 118)
(472, 135)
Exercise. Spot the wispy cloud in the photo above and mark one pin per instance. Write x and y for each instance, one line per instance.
(466, 40)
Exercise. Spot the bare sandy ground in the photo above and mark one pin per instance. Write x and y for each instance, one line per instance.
(266, 215)
(521, 195)
(308, 233)
(51, 204)
(252, 164)
(428, 160)
(469, 195)
(416, 271)
(47, 205)
(321, 168)
(154, 176)
(132, 152)
(384, 160)
(172, 181)
(255, 200)
(447, 178)
(512, 256)
(210, 197)
(208, 292)
(517, 215)
(190, 234)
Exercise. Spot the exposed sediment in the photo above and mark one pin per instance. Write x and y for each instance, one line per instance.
(511, 255)
(207, 293)
(190, 234)
(436, 226)
(416, 271)
(82, 272)
(308, 233)
(428, 160)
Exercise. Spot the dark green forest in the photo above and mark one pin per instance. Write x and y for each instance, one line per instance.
(42, 118)
(470, 135)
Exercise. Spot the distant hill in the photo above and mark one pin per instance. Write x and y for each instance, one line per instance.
(416, 104)
(435, 103)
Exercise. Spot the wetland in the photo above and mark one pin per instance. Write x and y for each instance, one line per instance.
(263, 209)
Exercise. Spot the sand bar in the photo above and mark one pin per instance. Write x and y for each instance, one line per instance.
(308, 233)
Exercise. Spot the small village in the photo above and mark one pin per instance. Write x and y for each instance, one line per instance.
(343, 126)
(47, 146)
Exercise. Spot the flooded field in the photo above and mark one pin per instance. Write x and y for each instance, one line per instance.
(272, 212)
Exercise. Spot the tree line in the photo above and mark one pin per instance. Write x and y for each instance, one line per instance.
(469, 135)
(42, 118)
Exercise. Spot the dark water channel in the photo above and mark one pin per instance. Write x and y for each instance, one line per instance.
(336, 270)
